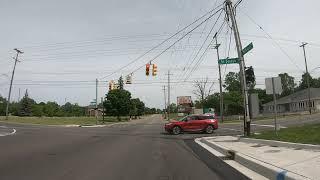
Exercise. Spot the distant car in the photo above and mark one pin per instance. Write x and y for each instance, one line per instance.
(193, 123)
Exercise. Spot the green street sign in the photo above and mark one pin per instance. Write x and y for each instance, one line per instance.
(229, 61)
(247, 49)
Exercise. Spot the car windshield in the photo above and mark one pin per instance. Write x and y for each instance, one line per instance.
(184, 118)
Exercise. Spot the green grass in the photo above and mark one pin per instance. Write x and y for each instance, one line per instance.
(306, 134)
(60, 120)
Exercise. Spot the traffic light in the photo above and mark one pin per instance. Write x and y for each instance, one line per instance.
(129, 79)
(154, 69)
(111, 85)
(250, 77)
(147, 69)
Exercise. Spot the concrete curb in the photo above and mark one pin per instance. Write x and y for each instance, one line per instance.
(267, 170)
(281, 144)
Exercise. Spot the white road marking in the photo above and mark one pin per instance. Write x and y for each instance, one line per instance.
(266, 125)
(7, 134)
(232, 129)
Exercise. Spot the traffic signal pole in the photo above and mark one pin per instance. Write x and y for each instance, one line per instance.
(246, 120)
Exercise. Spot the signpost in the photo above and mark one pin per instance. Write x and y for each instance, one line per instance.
(229, 61)
(247, 49)
(274, 86)
(236, 60)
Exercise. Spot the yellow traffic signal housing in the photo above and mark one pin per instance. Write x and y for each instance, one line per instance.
(111, 85)
(154, 69)
(147, 69)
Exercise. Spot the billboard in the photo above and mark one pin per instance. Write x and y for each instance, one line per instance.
(184, 100)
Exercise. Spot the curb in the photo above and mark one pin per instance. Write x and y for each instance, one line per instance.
(267, 170)
(281, 143)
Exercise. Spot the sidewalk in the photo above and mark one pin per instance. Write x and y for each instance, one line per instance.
(274, 162)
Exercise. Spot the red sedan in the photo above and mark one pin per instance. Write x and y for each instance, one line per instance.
(193, 123)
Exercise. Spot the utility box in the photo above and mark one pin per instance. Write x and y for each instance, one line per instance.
(254, 105)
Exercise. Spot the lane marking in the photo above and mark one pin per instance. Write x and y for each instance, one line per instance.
(266, 125)
(7, 134)
(232, 129)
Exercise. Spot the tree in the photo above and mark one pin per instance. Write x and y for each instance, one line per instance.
(213, 101)
(26, 105)
(118, 103)
(202, 89)
(232, 82)
(234, 103)
(3, 103)
(37, 110)
(120, 82)
(51, 109)
(173, 108)
(288, 84)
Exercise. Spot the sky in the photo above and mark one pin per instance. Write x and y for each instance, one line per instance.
(67, 45)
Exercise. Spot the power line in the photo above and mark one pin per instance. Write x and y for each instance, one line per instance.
(204, 42)
(154, 58)
(201, 57)
(275, 42)
(163, 42)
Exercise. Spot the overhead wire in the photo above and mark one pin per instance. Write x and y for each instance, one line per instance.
(139, 57)
(199, 50)
(155, 57)
(274, 41)
(201, 57)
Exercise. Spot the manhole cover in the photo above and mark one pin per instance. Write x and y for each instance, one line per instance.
(272, 151)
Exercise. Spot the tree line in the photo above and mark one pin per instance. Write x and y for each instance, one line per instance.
(233, 102)
(29, 107)
(118, 103)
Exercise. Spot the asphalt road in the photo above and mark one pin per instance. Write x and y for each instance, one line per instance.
(136, 150)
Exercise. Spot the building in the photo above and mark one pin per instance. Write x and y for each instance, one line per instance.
(90, 111)
(296, 102)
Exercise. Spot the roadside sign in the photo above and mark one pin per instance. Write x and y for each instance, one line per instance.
(276, 83)
(247, 49)
(229, 61)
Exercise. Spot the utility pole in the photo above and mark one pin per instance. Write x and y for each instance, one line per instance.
(102, 109)
(247, 119)
(10, 88)
(220, 80)
(96, 111)
(165, 101)
(308, 75)
(168, 94)
(19, 96)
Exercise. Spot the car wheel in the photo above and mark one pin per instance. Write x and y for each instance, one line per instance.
(176, 130)
(209, 129)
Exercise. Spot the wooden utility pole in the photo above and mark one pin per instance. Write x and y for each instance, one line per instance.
(247, 120)
(12, 76)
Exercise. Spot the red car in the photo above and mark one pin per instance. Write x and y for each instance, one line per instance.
(193, 123)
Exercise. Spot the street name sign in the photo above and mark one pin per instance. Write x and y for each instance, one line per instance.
(247, 49)
(229, 61)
